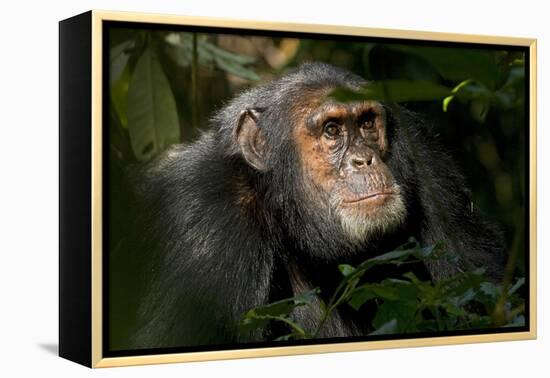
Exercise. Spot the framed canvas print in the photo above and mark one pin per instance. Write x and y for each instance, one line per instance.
(233, 189)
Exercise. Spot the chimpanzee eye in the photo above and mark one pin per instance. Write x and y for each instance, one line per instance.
(367, 121)
(368, 124)
(331, 129)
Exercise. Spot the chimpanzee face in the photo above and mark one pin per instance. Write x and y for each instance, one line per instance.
(341, 150)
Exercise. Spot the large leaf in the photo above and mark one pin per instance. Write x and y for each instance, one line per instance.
(403, 311)
(118, 58)
(457, 64)
(394, 91)
(119, 96)
(152, 113)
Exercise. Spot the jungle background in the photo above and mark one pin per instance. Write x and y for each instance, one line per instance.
(164, 85)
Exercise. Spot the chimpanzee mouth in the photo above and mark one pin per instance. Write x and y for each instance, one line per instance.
(374, 198)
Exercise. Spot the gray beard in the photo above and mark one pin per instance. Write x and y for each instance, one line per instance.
(360, 228)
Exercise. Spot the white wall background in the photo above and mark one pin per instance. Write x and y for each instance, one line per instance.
(29, 176)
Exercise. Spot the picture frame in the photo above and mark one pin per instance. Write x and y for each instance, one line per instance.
(87, 295)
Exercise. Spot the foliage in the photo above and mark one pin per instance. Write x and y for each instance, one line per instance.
(180, 48)
(480, 76)
(164, 85)
(280, 311)
(403, 305)
(152, 115)
(142, 99)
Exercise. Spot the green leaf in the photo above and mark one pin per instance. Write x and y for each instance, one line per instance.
(346, 269)
(287, 337)
(415, 280)
(405, 290)
(398, 255)
(447, 100)
(464, 298)
(261, 321)
(489, 293)
(519, 283)
(360, 297)
(118, 59)
(459, 286)
(454, 310)
(180, 55)
(401, 311)
(394, 257)
(235, 68)
(322, 305)
(366, 292)
(152, 114)
(365, 58)
(457, 64)
(479, 109)
(386, 329)
(429, 325)
(308, 297)
(411, 243)
(385, 292)
(261, 316)
(518, 321)
(227, 55)
(180, 49)
(477, 321)
(250, 323)
(428, 252)
(284, 306)
(394, 91)
(119, 97)
(516, 77)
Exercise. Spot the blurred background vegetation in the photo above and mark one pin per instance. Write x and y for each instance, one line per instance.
(164, 85)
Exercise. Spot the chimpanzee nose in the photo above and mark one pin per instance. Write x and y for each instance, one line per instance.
(362, 159)
(360, 162)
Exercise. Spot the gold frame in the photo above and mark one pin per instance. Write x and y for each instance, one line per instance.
(97, 354)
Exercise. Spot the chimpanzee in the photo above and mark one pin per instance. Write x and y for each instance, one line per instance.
(286, 185)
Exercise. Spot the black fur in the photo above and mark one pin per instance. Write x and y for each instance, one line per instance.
(212, 250)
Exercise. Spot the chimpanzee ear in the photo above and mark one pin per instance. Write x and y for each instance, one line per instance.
(250, 139)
